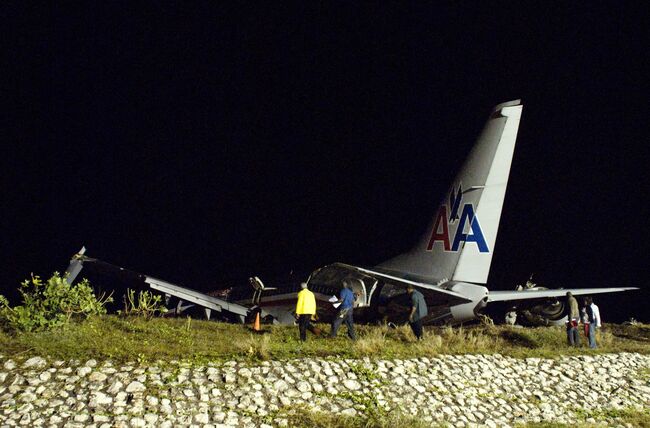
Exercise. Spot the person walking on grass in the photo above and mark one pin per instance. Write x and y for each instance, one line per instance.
(346, 299)
(305, 310)
(418, 310)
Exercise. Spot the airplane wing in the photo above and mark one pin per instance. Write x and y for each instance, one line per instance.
(336, 272)
(504, 296)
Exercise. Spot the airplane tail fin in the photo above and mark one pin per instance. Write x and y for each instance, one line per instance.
(459, 243)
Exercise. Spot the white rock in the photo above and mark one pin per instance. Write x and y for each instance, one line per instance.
(97, 377)
(151, 418)
(303, 386)
(120, 397)
(27, 397)
(101, 399)
(280, 385)
(419, 388)
(98, 418)
(81, 417)
(32, 363)
(135, 387)
(352, 384)
(115, 387)
(349, 412)
(83, 371)
(201, 418)
(138, 422)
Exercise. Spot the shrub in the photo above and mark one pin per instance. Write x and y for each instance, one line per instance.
(145, 305)
(51, 304)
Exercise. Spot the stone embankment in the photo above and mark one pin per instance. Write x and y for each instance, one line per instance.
(469, 390)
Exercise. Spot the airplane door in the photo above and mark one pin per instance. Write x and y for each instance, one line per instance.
(358, 287)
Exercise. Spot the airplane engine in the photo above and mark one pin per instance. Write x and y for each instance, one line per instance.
(469, 311)
(549, 312)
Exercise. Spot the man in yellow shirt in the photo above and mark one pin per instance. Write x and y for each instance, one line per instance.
(305, 309)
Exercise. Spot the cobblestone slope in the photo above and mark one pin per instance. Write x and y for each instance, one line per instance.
(468, 390)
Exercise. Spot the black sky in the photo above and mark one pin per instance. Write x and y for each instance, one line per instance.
(202, 143)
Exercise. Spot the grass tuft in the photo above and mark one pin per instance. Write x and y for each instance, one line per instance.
(303, 417)
(255, 346)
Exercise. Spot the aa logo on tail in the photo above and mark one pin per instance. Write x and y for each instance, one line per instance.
(448, 218)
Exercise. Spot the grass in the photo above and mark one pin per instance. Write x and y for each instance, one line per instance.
(626, 417)
(136, 339)
(302, 417)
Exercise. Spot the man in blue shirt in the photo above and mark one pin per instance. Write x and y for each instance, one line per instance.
(346, 299)
(418, 310)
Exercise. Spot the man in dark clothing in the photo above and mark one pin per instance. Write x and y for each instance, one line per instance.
(346, 299)
(418, 310)
(573, 317)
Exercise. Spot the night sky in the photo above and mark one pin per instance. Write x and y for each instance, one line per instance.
(203, 143)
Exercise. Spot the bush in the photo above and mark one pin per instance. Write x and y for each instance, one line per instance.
(145, 305)
(51, 304)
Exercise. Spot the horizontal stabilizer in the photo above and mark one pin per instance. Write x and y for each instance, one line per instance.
(505, 296)
(195, 297)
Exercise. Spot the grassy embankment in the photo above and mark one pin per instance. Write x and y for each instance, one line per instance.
(134, 339)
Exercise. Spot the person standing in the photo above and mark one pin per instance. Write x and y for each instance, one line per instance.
(573, 318)
(305, 309)
(593, 318)
(596, 311)
(584, 317)
(344, 314)
(418, 310)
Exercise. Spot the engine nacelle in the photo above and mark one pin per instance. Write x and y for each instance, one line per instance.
(550, 312)
(469, 311)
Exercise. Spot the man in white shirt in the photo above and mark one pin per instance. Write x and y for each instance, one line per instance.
(596, 312)
(593, 318)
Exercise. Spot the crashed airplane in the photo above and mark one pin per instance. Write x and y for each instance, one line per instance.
(449, 264)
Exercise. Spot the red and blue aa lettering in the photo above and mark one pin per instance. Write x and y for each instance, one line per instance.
(440, 232)
(476, 235)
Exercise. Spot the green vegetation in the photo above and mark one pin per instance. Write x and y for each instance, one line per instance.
(136, 338)
(51, 304)
(635, 417)
(145, 304)
(626, 417)
(304, 417)
(308, 418)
